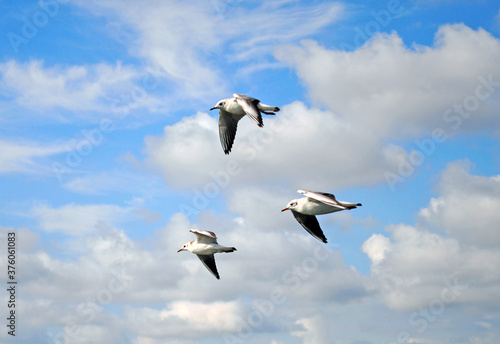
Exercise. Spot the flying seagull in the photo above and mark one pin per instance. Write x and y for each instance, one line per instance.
(316, 203)
(205, 246)
(231, 110)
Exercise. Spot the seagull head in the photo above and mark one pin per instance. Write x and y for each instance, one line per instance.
(221, 104)
(185, 247)
(290, 206)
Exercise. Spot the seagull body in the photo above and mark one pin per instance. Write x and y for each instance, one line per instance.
(316, 203)
(231, 110)
(205, 246)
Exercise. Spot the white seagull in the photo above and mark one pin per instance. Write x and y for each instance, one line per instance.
(231, 110)
(205, 246)
(316, 203)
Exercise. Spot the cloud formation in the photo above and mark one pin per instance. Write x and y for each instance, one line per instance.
(398, 91)
(415, 265)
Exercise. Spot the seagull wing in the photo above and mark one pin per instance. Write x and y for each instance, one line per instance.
(228, 124)
(310, 224)
(204, 237)
(209, 262)
(250, 106)
(323, 197)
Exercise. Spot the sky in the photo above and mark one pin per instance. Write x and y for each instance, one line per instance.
(109, 155)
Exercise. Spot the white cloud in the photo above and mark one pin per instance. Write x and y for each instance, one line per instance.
(296, 269)
(398, 91)
(77, 88)
(186, 319)
(376, 247)
(77, 219)
(185, 39)
(316, 149)
(416, 267)
(467, 206)
(314, 331)
(21, 156)
(185, 147)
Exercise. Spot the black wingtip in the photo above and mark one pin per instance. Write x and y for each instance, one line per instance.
(323, 239)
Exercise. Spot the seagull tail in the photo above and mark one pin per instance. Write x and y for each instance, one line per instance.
(350, 206)
(228, 249)
(264, 108)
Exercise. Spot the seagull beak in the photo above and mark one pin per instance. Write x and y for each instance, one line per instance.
(215, 107)
(286, 208)
(180, 250)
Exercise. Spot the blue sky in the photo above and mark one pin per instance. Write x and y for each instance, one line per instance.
(109, 155)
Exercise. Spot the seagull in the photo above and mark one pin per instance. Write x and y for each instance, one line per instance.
(231, 110)
(316, 203)
(205, 246)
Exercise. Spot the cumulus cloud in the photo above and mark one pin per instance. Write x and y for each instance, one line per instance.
(316, 149)
(78, 88)
(110, 270)
(383, 92)
(400, 91)
(416, 266)
(413, 268)
(186, 319)
(314, 331)
(466, 207)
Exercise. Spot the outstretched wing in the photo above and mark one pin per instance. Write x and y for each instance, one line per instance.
(209, 262)
(323, 197)
(311, 225)
(250, 106)
(228, 124)
(204, 237)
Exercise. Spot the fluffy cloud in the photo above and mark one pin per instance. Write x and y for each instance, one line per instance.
(396, 90)
(416, 267)
(316, 150)
(314, 331)
(79, 88)
(186, 319)
(467, 206)
(414, 270)
(111, 270)
(380, 88)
